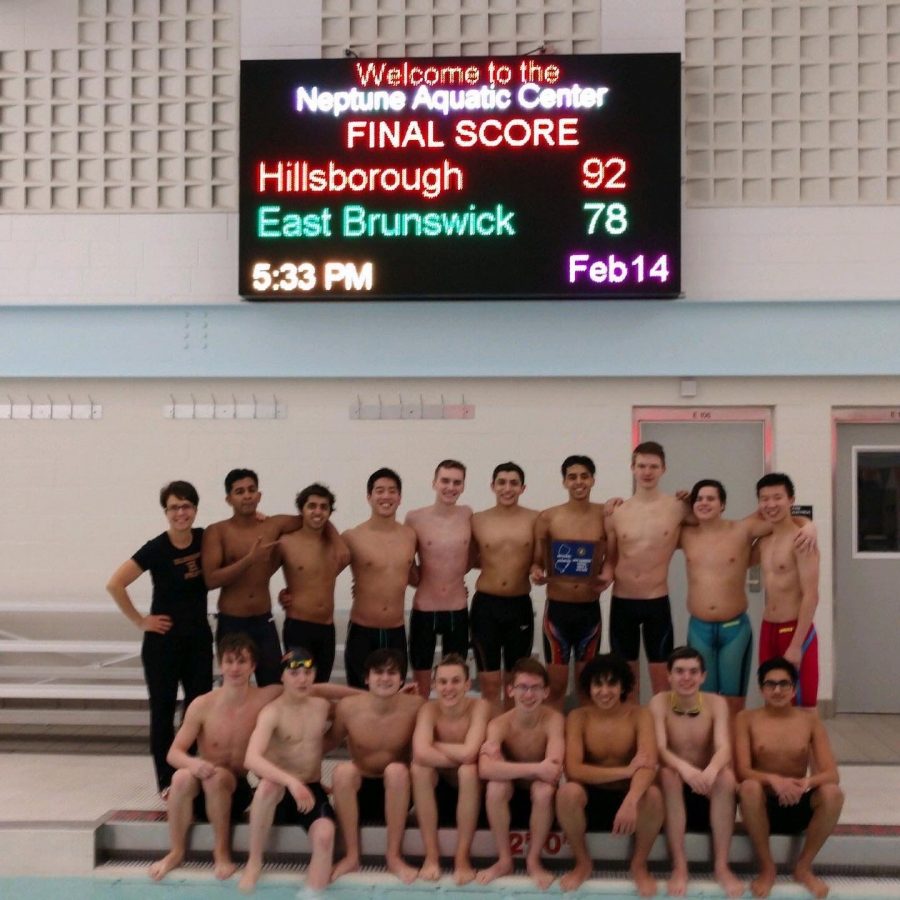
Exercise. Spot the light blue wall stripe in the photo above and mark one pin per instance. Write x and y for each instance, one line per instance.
(477, 339)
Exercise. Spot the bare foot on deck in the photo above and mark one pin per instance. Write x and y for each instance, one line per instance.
(729, 882)
(162, 867)
(223, 867)
(677, 883)
(247, 884)
(539, 875)
(399, 867)
(497, 870)
(761, 886)
(814, 885)
(430, 871)
(347, 864)
(643, 881)
(575, 878)
(463, 873)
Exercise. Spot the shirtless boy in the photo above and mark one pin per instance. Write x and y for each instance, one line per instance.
(777, 747)
(285, 752)
(213, 786)
(717, 554)
(374, 785)
(238, 556)
(521, 763)
(382, 554)
(448, 735)
(311, 560)
(611, 765)
(643, 534)
(443, 535)
(692, 736)
(570, 558)
(502, 617)
(791, 581)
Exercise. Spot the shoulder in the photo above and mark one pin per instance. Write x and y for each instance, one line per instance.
(552, 718)
(407, 531)
(659, 702)
(577, 717)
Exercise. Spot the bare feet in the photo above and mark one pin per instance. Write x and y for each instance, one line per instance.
(398, 866)
(539, 875)
(497, 870)
(463, 873)
(162, 867)
(347, 864)
(430, 871)
(643, 880)
(677, 883)
(574, 879)
(729, 882)
(761, 886)
(223, 866)
(247, 884)
(814, 885)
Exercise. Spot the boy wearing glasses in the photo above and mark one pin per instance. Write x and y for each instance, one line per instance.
(777, 747)
(692, 735)
(611, 766)
(521, 763)
(285, 752)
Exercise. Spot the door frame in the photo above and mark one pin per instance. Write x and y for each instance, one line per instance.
(761, 414)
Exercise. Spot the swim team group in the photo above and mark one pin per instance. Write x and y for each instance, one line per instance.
(510, 755)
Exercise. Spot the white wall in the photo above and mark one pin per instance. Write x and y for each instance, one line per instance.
(82, 496)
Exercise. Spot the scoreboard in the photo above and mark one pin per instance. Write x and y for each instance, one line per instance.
(461, 178)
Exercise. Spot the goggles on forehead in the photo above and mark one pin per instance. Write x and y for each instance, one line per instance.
(297, 664)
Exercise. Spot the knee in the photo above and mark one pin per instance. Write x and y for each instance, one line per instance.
(321, 835)
(652, 800)
(571, 796)
(345, 777)
(751, 791)
(396, 776)
(831, 796)
(183, 782)
(542, 793)
(268, 791)
(468, 775)
(498, 791)
(669, 779)
(725, 781)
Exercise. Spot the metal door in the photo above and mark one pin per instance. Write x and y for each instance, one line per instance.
(866, 560)
(731, 444)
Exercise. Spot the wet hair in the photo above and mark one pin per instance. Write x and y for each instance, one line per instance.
(607, 668)
(685, 653)
(508, 467)
(576, 460)
(386, 658)
(649, 448)
(454, 659)
(237, 642)
(236, 475)
(450, 464)
(708, 482)
(528, 665)
(181, 490)
(776, 479)
(777, 662)
(384, 472)
(314, 490)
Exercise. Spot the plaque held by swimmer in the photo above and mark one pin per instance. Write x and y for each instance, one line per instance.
(575, 560)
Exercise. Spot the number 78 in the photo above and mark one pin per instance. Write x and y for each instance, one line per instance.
(614, 222)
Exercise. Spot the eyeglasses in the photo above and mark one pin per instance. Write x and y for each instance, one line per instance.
(528, 688)
(783, 684)
(180, 507)
(297, 664)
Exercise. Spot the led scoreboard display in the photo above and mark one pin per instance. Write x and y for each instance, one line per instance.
(461, 178)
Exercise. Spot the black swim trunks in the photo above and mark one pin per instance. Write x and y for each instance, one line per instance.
(628, 618)
(240, 800)
(501, 627)
(286, 813)
(317, 638)
(789, 819)
(424, 627)
(361, 641)
(602, 806)
(571, 629)
(370, 800)
(696, 808)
